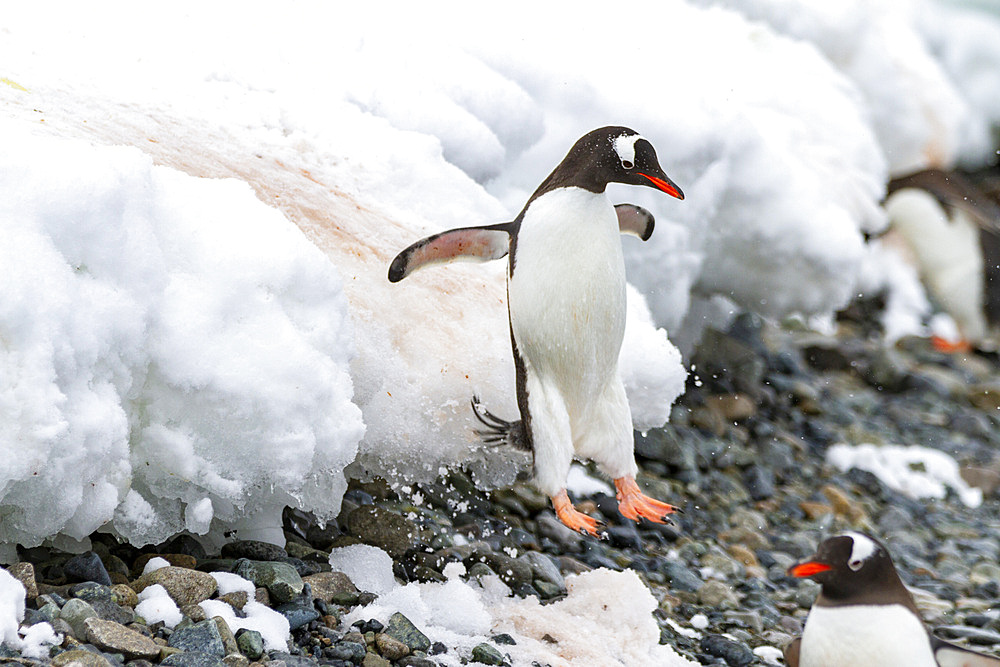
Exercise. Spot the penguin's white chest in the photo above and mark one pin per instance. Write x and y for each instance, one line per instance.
(567, 292)
(855, 635)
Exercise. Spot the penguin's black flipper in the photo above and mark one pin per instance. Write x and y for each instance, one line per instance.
(474, 243)
(949, 655)
(635, 220)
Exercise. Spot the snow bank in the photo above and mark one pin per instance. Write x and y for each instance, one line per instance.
(915, 471)
(169, 345)
(605, 619)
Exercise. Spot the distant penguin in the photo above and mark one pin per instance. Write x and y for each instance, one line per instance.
(953, 231)
(566, 303)
(865, 616)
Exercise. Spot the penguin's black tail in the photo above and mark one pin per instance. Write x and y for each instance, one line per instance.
(499, 432)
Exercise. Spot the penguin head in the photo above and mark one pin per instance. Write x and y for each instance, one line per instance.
(634, 163)
(612, 154)
(847, 564)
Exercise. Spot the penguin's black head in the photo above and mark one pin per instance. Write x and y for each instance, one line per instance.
(611, 154)
(848, 565)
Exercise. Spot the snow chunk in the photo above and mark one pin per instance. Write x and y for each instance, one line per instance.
(11, 609)
(156, 605)
(770, 654)
(580, 483)
(272, 626)
(369, 568)
(233, 583)
(913, 470)
(155, 563)
(606, 619)
(166, 340)
(37, 639)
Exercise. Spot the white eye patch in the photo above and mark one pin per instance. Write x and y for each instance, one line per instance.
(863, 549)
(625, 148)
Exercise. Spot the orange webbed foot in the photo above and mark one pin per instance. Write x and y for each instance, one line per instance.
(634, 504)
(573, 518)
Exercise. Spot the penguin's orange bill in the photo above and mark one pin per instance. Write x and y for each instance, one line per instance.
(635, 505)
(663, 185)
(950, 346)
(574, 518)
(808, 569)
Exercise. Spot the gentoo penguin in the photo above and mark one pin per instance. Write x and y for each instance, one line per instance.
(865, 616)
(566, 304)
(953, 230)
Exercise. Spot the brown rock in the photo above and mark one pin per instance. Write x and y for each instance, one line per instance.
(375, 660)
(116, 638)
(842, 505)
(124, 595)
(390, 647)
(25, 573)
(732, 407)
(986, 479)
(325, 585)
(237, 599)
(815, 510)
(80, 658)
(185, 586)
(177, 560)
(742, 554)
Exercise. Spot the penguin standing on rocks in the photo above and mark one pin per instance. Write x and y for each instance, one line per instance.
(566, 302)
(953, 230)
(865, 616)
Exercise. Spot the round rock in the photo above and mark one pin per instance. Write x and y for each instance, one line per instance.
(185, 586)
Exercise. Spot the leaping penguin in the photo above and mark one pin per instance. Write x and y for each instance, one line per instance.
(865, 616)
(566, 303)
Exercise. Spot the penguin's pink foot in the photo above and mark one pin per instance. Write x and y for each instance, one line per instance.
(572, 517)
(634, 504)
(950, 346)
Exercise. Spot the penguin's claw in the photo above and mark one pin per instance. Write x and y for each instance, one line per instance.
(575, 519)
(634, 504)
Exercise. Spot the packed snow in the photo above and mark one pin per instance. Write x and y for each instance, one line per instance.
(605, 619)
(913, 470)
(156, 606)
(196, 329)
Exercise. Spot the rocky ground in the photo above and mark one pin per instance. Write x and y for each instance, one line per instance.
(743, 456)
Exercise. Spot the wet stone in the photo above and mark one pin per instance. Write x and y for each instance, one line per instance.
(281, 580)
(250, 643)
(390, 647)
(116, 638)
(80, 658)
(193, 659)
(488, 655)
(384, 529)
(253, 550)
(736, 654)
(86, 567)
(184, 586)
(402, 629)
(203, 637)
(76, 612)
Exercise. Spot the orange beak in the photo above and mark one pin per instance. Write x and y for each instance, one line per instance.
(808, 569)
(664, 185)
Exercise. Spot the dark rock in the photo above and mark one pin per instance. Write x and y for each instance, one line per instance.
(86, 567)
(253, 550)
(681, 578)
(736, 654)
(250, 643)
(759, 482)
(488, 655)
(384, 529)
(183, 544)
(281, 580)
(202, 636)
(402, 629)
(193, 659)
